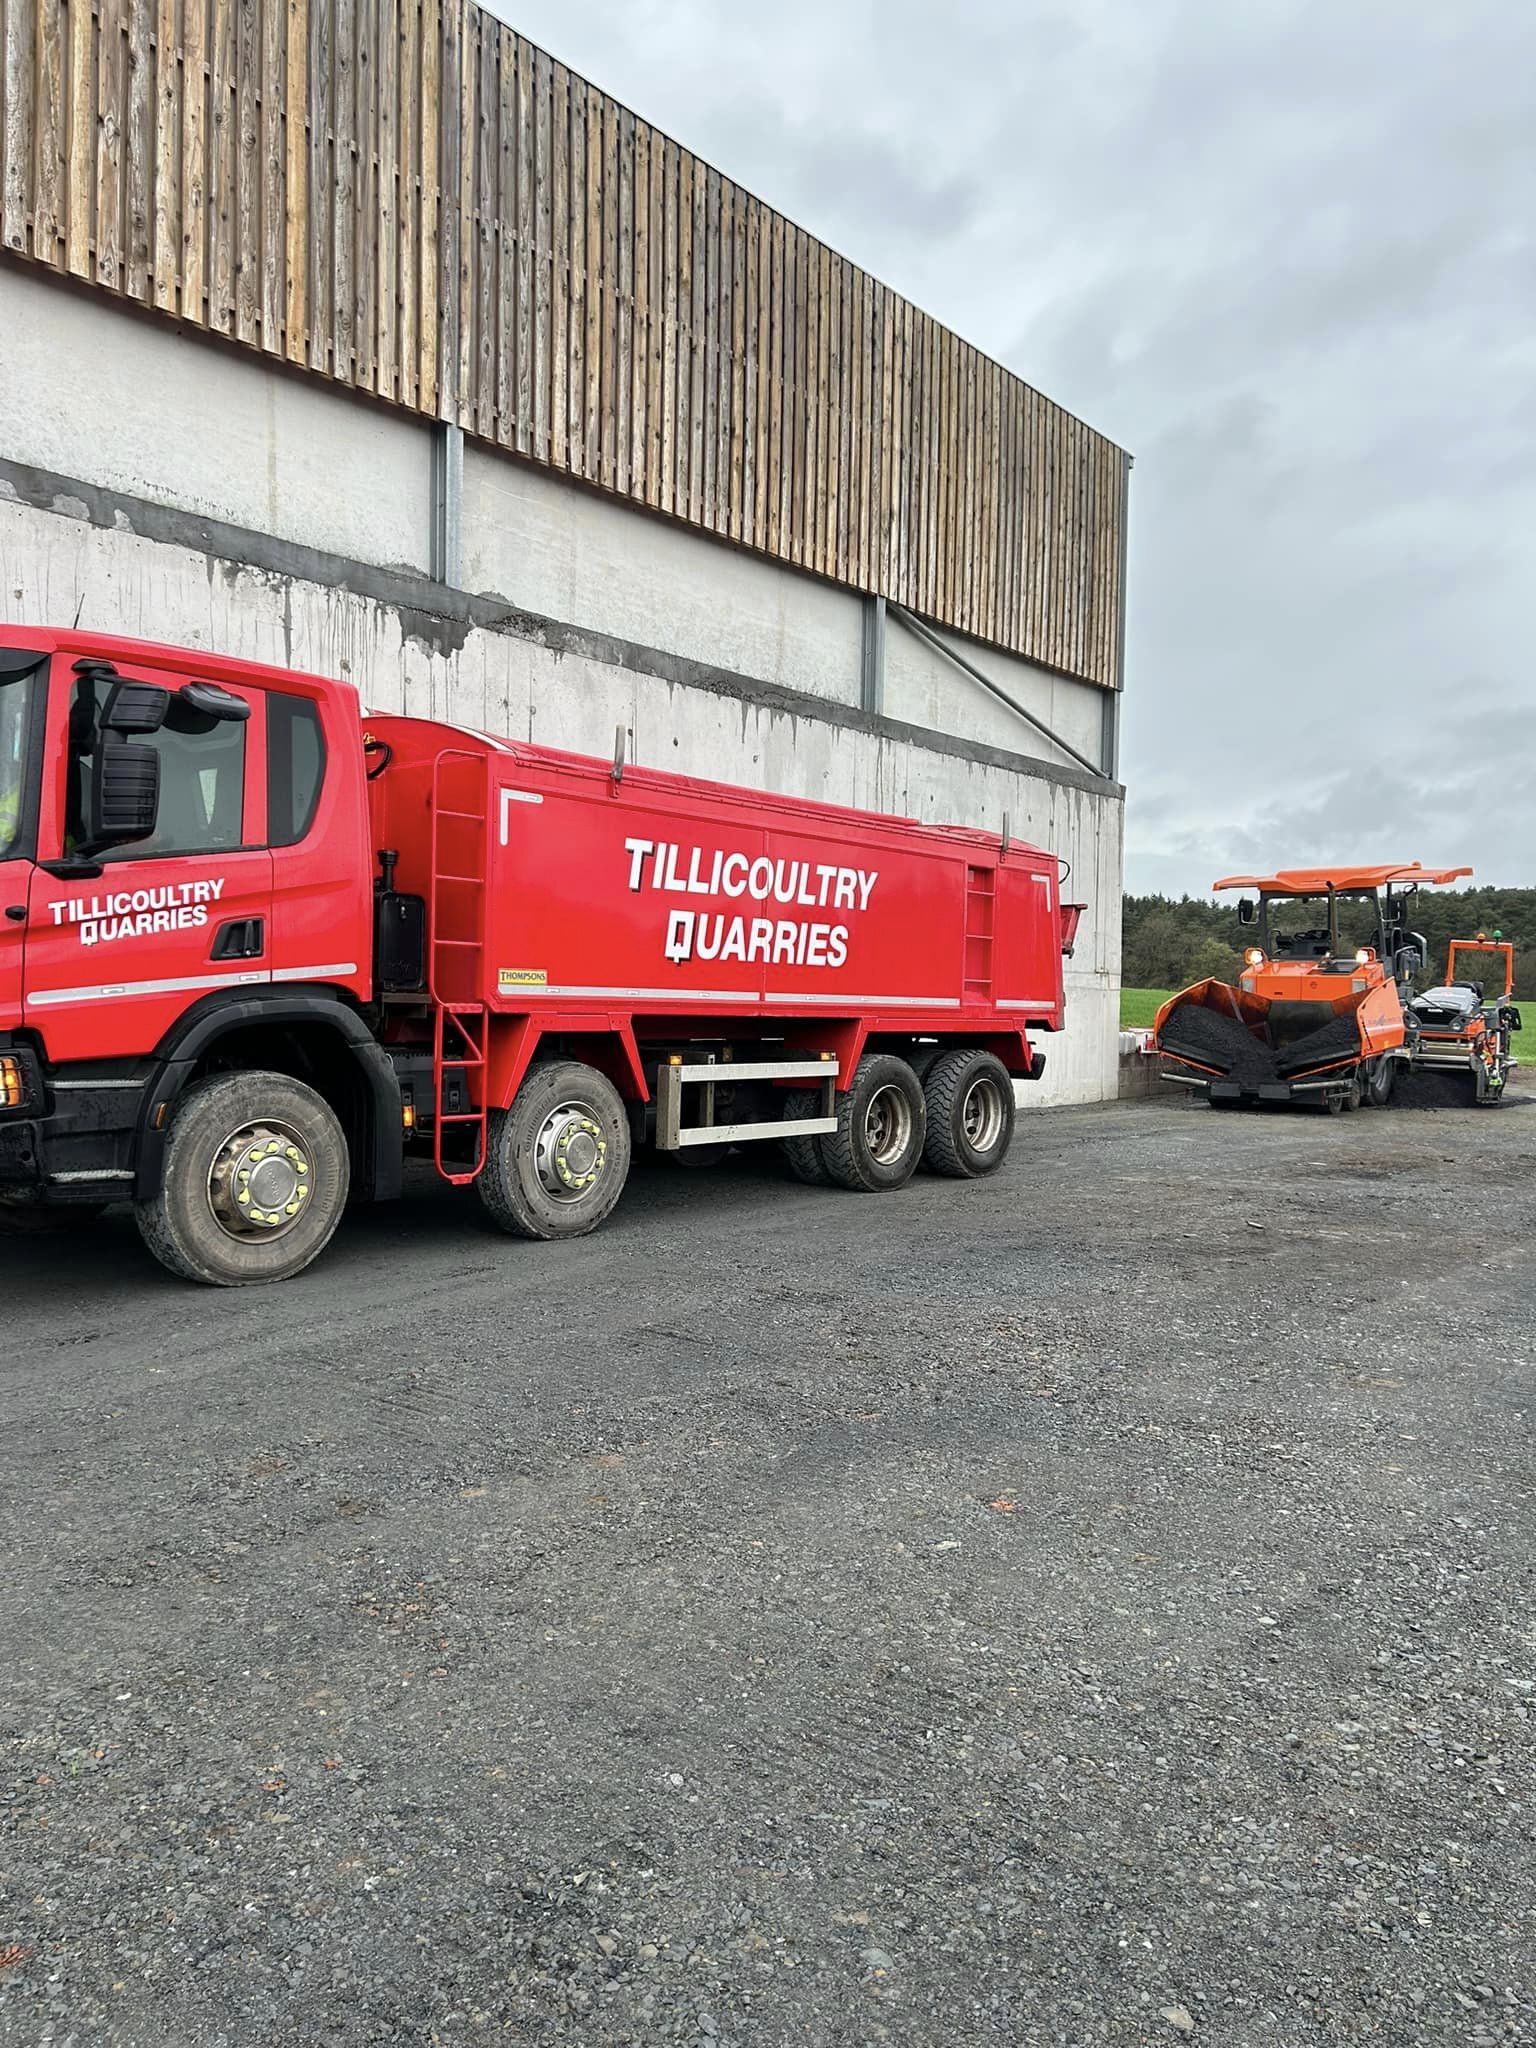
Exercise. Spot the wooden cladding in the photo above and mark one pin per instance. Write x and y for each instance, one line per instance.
(407, 197)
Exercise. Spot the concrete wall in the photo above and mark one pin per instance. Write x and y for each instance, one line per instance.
(570, 554)
(91, 391)
(187, 493)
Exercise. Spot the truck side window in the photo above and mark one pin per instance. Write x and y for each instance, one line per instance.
(202, 777)
(295, 767)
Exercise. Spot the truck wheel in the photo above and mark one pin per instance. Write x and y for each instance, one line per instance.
(255, 1181)
(1353, 1097)
(557, 1160)
(26, 1215)
(970, 1115)
(880, 1127)
(1382, 1080)
(802, 1153)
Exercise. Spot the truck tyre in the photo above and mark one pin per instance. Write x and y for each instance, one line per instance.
(27, 1215)
(1382, 1080)
(881, 1122)
(557, 1160)
(803, 1153)
(255, 1181)
(970, 1115)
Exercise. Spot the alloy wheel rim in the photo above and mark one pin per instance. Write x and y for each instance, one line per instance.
(888, 1125)
(261, 1180)
(570, 1153)
(981, 1115)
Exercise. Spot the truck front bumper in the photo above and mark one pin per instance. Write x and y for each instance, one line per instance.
(68, 1137)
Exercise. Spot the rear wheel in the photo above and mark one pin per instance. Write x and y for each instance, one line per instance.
(803, 1154)
(255, 1181)
(970, 1103)
(557, 1160)
(881, 1122)
(1381, 1079)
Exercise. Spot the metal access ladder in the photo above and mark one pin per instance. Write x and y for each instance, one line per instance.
(456, 952)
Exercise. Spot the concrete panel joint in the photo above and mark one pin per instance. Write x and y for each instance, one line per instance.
(447, 504)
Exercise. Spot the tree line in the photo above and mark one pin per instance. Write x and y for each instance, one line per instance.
(1170, 942)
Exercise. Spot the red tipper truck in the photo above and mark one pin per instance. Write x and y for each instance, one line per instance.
(256, 950)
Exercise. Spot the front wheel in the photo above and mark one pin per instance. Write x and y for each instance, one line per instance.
(881, 1123)
(255, 1181)
(557, 1160)
(970, 1114)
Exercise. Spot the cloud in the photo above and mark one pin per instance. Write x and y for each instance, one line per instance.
(1287, 256)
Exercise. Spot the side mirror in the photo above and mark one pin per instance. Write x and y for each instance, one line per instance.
(1247, 911)
(135, 707)
(209, 701)
(1406, 963)
(125, 791)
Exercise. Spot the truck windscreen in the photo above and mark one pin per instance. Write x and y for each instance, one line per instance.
(18, 687)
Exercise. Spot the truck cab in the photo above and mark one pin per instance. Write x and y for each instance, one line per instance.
(183, 860)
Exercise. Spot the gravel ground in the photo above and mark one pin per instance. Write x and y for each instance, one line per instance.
(1088, 1606)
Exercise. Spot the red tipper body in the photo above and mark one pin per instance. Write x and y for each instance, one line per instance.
(256, 952)
(582, 898)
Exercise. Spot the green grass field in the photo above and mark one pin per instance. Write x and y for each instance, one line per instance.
(1138, 1006)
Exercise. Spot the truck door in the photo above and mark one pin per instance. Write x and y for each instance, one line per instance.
(23, 680)
(114, 959)
(317, 826)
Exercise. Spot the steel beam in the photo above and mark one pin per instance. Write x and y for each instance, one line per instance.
(872, 675)
(1111, 742)
(926, 634)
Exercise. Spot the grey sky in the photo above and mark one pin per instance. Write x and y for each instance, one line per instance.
(1283, 251)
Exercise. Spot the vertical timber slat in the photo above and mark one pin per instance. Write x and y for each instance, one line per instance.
(223, 164)
(248, 170)
(111, 110)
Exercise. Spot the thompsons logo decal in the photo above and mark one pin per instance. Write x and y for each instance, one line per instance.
(138, 913)
(779, 886)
